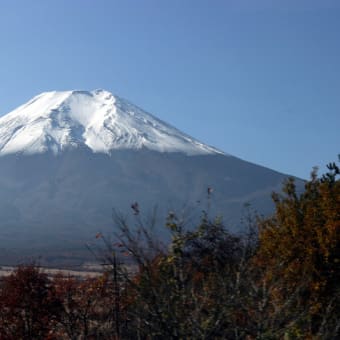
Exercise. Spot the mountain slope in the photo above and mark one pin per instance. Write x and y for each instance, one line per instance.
(68, 158)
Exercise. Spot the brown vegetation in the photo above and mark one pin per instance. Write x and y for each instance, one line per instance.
(281, 282)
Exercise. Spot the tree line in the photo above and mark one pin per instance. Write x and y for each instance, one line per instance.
(278, 280)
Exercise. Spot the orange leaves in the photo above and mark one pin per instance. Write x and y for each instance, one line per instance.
(300, 245)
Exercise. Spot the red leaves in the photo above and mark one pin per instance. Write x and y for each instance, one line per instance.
(29, 305)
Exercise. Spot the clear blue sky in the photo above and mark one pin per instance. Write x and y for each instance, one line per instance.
(257, 79)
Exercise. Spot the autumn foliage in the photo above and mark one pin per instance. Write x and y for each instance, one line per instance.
(278, 280)
(299, 256)
(28, 305)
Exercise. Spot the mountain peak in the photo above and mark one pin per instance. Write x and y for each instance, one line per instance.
(59, 120)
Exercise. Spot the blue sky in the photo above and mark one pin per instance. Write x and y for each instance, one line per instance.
(257, 79)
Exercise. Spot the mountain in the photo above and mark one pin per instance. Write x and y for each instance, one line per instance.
(56, 121)
(67, 158)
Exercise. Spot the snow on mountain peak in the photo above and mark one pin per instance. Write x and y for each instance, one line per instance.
(56, 121)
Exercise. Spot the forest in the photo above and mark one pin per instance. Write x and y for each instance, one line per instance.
(279, 279)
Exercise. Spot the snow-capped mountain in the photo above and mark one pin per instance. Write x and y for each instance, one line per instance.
(55, 121)
(68, 158)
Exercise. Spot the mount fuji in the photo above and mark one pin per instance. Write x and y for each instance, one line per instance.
(67, 158)
(58, 121)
